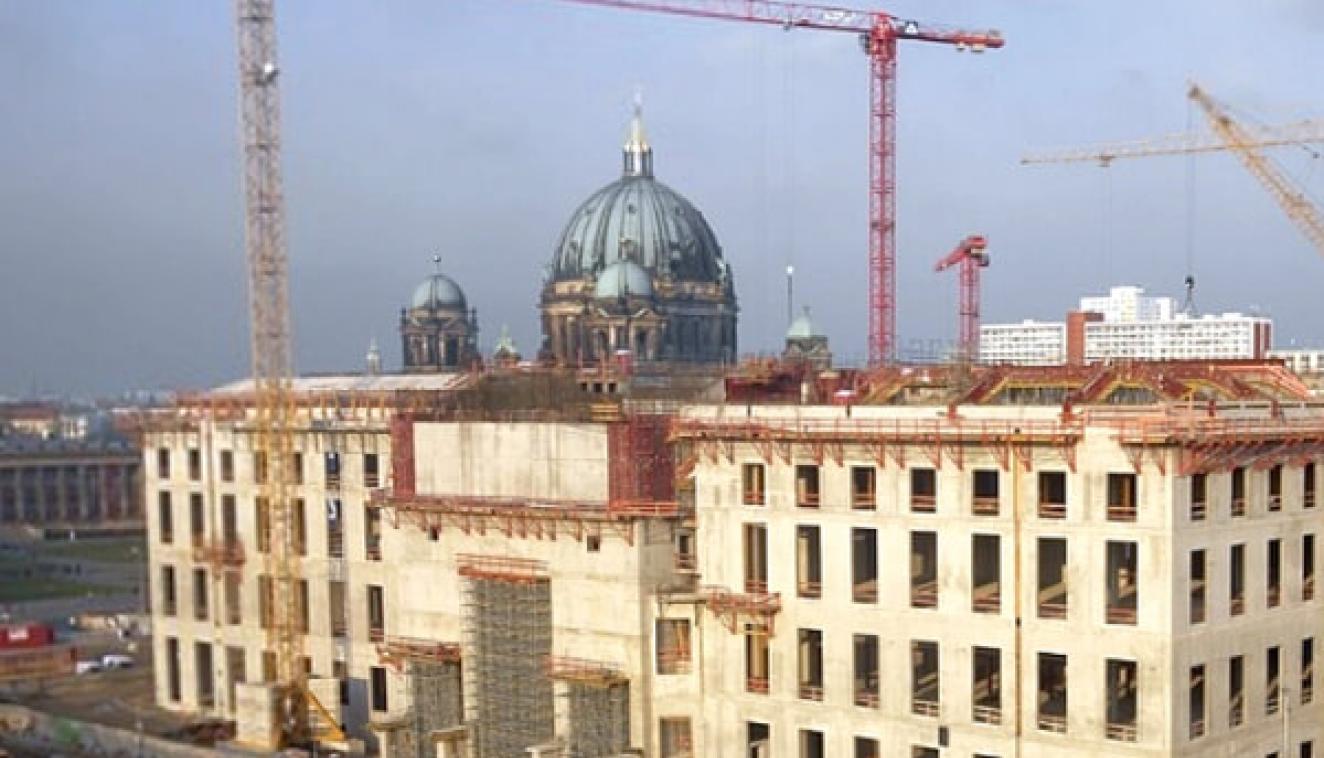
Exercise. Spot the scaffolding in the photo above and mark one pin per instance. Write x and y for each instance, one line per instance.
(743, 611)
(939, 440)
(598, 696)
(508, 626)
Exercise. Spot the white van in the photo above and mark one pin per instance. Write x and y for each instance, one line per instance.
(116, 661)
(87, 667)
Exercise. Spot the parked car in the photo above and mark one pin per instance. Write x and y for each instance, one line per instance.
(116, 661)
(87, 667)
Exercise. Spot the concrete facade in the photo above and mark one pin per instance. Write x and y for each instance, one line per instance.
(674, 605)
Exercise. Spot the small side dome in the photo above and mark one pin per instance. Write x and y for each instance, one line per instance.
(623, 279)
(438, 292)
(802, 328)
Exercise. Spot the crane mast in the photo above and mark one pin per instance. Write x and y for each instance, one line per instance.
(969, 256)
(271, 342)
(879, 33)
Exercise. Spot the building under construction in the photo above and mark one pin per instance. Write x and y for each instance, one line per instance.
(633, 548)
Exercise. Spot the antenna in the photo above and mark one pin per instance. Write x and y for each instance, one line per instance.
(1188, 307)
(790, 293)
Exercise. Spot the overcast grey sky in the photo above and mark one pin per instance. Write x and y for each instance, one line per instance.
(472, 128)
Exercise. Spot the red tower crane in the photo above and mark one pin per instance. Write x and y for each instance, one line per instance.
(971, 255)
(879, 33)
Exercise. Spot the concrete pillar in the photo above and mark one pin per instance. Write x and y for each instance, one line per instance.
(103, 487)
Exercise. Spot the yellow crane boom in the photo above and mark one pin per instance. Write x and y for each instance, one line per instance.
(1246, 141)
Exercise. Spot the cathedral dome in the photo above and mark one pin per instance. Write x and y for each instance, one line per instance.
(637, 218)
(437, 292)
(623, 279)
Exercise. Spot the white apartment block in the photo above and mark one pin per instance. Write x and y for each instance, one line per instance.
(1127, 325)
(1029, 343)
(758, 580)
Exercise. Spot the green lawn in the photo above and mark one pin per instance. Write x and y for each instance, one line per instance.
(105, 550)
(45, 589)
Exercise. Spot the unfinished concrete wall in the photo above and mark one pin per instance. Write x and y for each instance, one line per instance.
(548, 460)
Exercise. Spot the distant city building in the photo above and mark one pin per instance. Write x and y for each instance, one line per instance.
(58, 484)
(805, 344)
(1303, 361)
(1127, 325)
(438, 331)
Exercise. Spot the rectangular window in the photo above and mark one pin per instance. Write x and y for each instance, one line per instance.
(194, 465)
(372, 477)
(259, 467)
(756, 558)
(923, 490)
(1307, 670)
(172, 670)
(233, 600)
(1199, 497)
(1052, 693)
(811, 744)
(197, 520)
(227, 466)
(202, 670)
(867, 747)
(863, 488)
(1308, 485)
(268, 666)
(163, 463)
(376, 613)
(866, 683)
(1122, 497)
(229, 521)
(752, 484)
(1197, 587)
(673, 646)
(262, 516)
(811, 664)
(372, 533)
(1237, 581)
(1272, 685)
(758, 740)
(296, 468)
(1123, 592)
(301, 604)
(1307, 567)
(1273, 573)
(808, 562)
(1236, 691)
(1238, 495)
(923, 569)
(1275, 501)
(1052, 596)
(331, 469)
(807, 486)
(266, 599)
(1052, 494)
(338, 608)
(676, 738)
(922, 751)
(986, 571)
(756, 661)
(234, 673)
(169, 592)
(864, 565)
(299, 515)
(335, 528)
(985, 492)
(165, 518)
(200, 594)
(378, 688)
(1121, 696)
(986, 695)
(1195, 688)
(924, 684)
